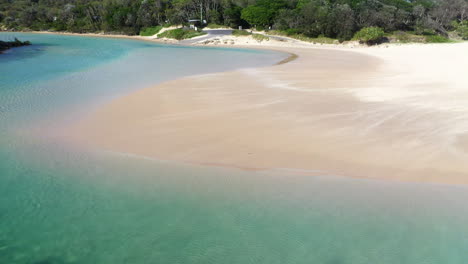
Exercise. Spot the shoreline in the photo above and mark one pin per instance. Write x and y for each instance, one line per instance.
(246, 42)
(209, 129)
(239, 41)
(102, 35)
(271, 47)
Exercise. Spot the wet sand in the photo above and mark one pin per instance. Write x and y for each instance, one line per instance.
(385, 113)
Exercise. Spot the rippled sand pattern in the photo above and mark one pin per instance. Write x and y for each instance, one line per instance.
(371, 113)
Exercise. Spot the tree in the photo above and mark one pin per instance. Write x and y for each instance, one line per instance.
(341, 22)
(263, 13)
(315, 17)
(257, 16)
(446, 11)
(331, 18)
(287, 19)
(232, 16)
(146, 15)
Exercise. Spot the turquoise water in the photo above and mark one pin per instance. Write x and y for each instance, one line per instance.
(59, 205)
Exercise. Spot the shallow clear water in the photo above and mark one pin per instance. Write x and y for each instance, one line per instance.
(59, 205)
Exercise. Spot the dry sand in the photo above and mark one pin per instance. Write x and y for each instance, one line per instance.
(387, 113)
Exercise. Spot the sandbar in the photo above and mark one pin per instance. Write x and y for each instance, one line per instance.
(393, 113)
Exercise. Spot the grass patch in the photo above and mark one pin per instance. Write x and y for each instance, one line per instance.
(260, 38)
(323, 40)
(288, 32)
(412, 37)
(406, 37)
(150, 31)
(437, 39)
(180, 34)
(237, 32)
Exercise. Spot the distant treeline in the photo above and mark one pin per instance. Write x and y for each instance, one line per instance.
(338, 19)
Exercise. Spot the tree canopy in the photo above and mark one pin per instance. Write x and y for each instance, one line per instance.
(331, 18)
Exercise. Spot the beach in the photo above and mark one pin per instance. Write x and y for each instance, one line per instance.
(295, 153)
(393, 112)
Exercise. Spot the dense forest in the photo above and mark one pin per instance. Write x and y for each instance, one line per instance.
(338, 19)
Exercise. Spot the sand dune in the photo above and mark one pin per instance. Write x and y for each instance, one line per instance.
(389, 113)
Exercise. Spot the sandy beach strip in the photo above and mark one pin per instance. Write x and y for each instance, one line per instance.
(385, 113)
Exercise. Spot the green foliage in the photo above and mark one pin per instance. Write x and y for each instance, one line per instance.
(290, 32)
(180, 34)
(322, 40)
(173, 34)
(262, 13)
(308, 19)
(237, 32)
(260, 38)
(214, 26)
(401, 4)
(437, 39)
(192, 33)
(256, 15)
(369, 35)
(150, 31)
(461, 29)
(407, 37)
(232, 17)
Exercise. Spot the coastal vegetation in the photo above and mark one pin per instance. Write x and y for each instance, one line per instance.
(260, 37)
(180, 34)
(434, 20)
(437, 39)
(461, 29)
(4, 45)
(257, 37)
(370, 35)
(150, 31)
(237, 32)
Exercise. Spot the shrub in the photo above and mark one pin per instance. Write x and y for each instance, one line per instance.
(461, 29)
(150, 31)
(370, 35)
(256, 15)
